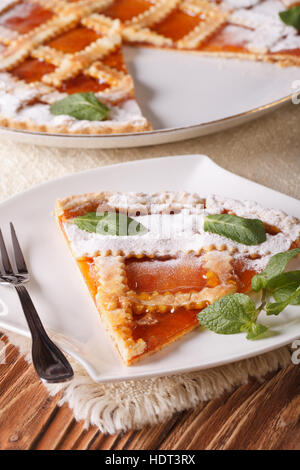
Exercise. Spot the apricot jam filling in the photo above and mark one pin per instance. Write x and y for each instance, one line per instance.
(160, 329)
(74, 40)
(91, 206)
(24, 17)
(182, 274)
(243, 275)
(125, 10)
(115, 60)
(271, 229)
(87, 268)
(82, 84)
(32, 70)
(176, 25)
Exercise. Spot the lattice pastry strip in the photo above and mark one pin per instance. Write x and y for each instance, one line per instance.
(69, 65)
(115, 307)
(23, 45)
(145, 35)
(154, 14)
(202, 31)
(73, 64)
(139, 27)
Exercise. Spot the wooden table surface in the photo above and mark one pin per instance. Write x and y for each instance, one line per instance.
(255, 416)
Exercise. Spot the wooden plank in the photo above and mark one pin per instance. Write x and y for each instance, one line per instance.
(148, 438)
(203, 417)
(29, 418)
(104, 441)
(289, 422)
(55, 429)
(262, 410)
(86, 438)
(184, 429)
(75, 433)
(25, 408)
(239, 422)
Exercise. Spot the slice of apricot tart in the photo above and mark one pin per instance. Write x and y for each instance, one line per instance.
(151, 267)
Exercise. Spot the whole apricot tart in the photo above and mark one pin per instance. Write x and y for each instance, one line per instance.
(52, 49)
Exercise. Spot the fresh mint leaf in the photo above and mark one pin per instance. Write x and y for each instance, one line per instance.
(229, 315)
(109, 223)
(89, 221)
(256, 331)
(291, 17)
(281, 295)
(276, 307)
(284, 285)
(81, 106)
(275, 266)
(120, 224)
(239, 229)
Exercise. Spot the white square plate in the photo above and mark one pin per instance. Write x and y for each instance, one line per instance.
(62, 298)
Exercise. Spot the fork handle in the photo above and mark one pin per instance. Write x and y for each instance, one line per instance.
(49, 362)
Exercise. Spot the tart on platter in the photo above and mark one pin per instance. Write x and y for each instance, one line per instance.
(61, 62)
(156, 264)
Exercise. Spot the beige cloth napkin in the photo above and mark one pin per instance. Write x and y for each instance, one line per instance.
(267, 151)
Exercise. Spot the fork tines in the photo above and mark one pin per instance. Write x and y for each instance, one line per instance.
(19, 258)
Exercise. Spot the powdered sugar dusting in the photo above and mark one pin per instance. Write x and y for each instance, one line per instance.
(183, 232)
(265, 30)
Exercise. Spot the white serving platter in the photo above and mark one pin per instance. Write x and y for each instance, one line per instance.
(185, 95)
(62, 298)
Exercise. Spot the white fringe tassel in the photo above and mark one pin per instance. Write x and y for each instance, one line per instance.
(133, 404)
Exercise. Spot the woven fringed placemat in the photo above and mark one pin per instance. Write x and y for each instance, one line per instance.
(133, 404)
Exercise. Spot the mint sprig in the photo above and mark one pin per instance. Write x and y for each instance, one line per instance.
(275, 266)
(276, 307)
(239, 229)
(109, 223)
(229, 315)
(256, 331)
(81, 106)
(232, 314)
(284, 283)
(291, 17)
(236, 313)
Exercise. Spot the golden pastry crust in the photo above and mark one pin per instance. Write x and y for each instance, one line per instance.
(129, 311)
(126, 128)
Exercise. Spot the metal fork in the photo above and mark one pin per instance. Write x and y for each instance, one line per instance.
(49, 362)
